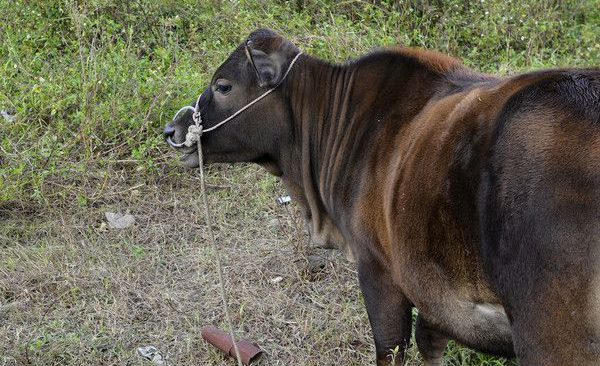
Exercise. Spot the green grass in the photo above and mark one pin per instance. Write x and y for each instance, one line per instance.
(91, 84)
(93, 81)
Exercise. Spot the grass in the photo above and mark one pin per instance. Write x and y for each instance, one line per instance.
(91, 83)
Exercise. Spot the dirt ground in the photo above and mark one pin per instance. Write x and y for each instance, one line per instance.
(74, 291)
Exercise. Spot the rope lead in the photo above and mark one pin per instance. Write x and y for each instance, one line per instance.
(196, 133)
(193, 136)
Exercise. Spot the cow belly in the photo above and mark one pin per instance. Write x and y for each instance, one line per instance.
(484, 327)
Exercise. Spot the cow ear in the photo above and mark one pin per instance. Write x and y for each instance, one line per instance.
(266, 68)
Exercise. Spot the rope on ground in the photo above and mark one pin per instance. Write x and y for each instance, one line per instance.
(198, 132)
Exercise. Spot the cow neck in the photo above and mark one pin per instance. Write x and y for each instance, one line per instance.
(331, 130)
(309, 91)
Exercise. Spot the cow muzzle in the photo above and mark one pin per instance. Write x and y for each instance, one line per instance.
(176, 130)
(168, 134)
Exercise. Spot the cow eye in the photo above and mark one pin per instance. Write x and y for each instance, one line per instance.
(223, 88)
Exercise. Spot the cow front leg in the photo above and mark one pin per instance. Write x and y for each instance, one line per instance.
(430, 342)
(389, 312)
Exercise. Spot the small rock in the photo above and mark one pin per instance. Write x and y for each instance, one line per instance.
(276, 279)
(119, 221)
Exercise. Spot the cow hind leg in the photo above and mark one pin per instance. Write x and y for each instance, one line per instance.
(549, 283)
(546, 269)
(546, 333)
(539, 210)
(389, 312)
(431, 343)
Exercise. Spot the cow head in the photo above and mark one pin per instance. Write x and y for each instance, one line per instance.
(259, 134)
(256, 134)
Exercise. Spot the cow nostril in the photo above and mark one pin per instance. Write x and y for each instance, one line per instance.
(169, 130)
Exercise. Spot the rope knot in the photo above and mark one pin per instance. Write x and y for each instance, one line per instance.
(197, 117)
(193, 135)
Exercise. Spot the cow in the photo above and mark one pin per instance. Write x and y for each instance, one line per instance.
(472, 198)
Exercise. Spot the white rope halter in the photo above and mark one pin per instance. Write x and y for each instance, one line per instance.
(195, 131)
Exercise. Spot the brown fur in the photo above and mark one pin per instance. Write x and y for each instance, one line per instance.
(472, 198)
(433, 60)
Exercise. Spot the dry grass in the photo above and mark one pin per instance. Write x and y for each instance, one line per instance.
(74, 292)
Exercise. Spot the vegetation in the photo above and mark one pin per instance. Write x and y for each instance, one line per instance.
(92, 82)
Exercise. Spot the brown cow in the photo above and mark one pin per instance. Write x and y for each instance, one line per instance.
(473, 198)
